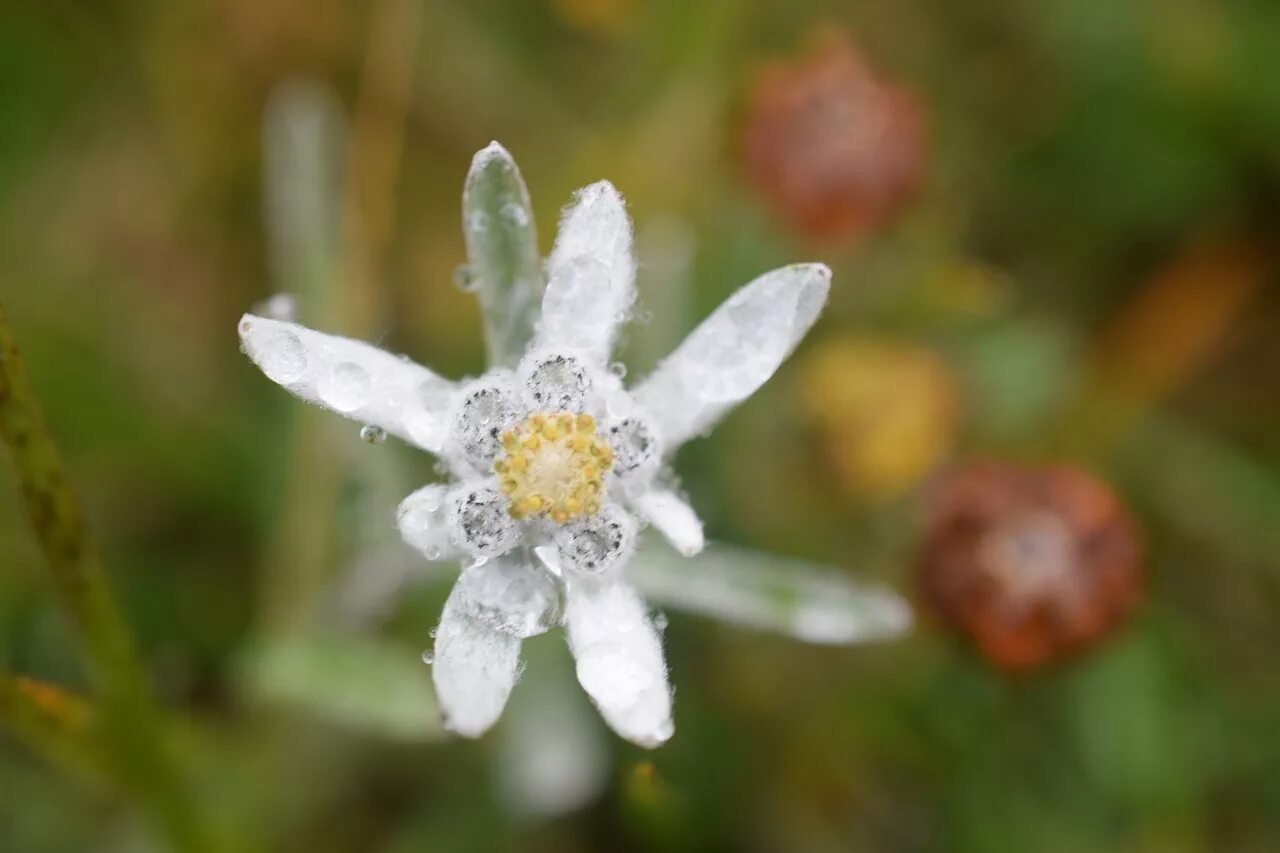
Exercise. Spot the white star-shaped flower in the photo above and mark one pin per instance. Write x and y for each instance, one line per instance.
(554, 465)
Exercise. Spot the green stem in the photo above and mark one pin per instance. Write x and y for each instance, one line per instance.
(133, 727)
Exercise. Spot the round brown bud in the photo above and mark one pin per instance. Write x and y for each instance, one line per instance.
(835, 151)
(1032, 565)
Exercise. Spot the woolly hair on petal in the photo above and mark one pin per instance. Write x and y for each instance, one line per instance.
(619, 659)
(502, 252)
(674, 519)
(474, 668)
(351, 378)
(590, 274)
(423, 521)
(734, 351)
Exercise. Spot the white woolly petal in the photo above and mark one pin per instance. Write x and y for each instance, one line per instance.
(351, 378)
(511, 595)
(474, 668)
(590, 274)
(814, 603)
(423, 519)
(734, 351)
(619, 659)
(673, 518)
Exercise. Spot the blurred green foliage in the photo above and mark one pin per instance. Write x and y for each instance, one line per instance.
(1076, 151)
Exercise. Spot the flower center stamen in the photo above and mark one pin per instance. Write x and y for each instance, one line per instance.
(553, 465)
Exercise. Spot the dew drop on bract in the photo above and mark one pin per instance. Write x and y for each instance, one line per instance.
(464, 280)
(660, 621)
(515, 214)
(346, 387)
(283, 358)
(373, 434)
(428, 657)
(618, 369)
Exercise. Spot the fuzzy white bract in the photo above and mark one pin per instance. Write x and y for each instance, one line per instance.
(554, 465)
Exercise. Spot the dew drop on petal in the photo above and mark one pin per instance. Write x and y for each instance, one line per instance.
(346, 387)
(428, 657)
(465, 280)
(618, 369)
(281, 306)
(660, 621)
(373, 434)
(283, 358)
(511, 598)
(515, 214)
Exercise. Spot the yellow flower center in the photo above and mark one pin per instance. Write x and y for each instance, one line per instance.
(553, 464)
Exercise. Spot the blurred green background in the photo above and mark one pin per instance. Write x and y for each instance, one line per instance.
(1069, 272)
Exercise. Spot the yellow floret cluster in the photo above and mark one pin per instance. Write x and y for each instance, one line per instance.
(553, 465)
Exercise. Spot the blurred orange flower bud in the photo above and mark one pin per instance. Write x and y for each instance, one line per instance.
(1033, 564)
(835, 151)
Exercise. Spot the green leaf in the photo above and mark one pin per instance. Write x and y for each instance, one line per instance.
(371, 685)
(502, 251)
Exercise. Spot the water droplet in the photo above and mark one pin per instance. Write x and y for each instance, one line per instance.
(283, 358)
(373, 434)
(465, 280)
(515, 214)
(346, 387)
(660, 621)
(433, 633)
(618, 369)
(428, 657)
(644, 317)
(433, 554)
(281, 306)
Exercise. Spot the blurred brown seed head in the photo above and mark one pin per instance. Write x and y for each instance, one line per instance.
(835, 151)
(1032, 565)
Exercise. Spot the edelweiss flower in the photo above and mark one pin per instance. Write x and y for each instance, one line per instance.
(554, 464)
